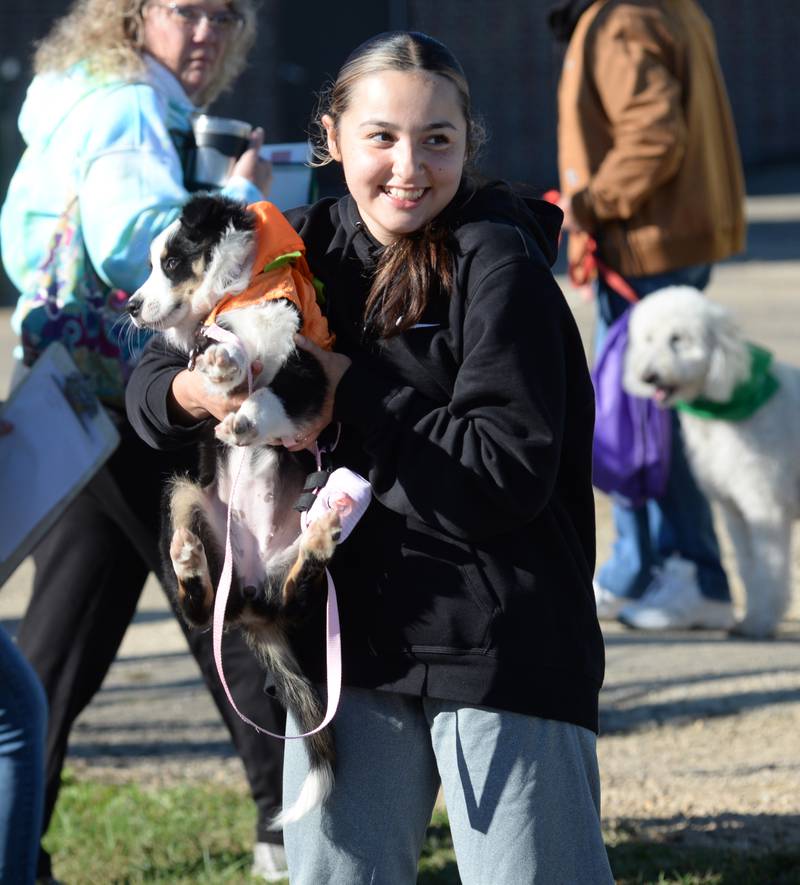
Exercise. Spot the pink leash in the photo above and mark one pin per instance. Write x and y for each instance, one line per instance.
(332, 630)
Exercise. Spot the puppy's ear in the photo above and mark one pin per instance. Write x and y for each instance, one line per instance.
(205, 217)
(232, 261)
(730, 357)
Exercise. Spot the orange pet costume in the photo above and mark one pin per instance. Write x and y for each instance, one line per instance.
(284, 273)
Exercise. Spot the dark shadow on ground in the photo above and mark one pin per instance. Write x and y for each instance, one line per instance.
(615, 721)
(729, 849)
(164, 750)
(619, 692)
(698, 637)
(93, 731)
(11, 625)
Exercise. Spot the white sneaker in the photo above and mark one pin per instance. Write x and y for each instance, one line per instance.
(609, 605)
(673, 601)
(269, 862)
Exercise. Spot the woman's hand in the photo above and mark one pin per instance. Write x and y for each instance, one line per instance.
(192, 399)
(252, 166)
(334, 365)
(569, 225)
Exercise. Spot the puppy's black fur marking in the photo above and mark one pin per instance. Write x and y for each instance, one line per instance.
(300, 383)
(205, 218)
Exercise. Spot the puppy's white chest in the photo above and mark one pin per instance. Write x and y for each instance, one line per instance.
(264, 527)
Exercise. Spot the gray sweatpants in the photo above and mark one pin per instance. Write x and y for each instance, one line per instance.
(522, 796)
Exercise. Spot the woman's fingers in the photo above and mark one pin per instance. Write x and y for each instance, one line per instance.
(192, 399)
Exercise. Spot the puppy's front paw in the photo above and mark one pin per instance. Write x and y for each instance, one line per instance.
(321, 537)
(236, 429)
(187, 555)
(222, 365)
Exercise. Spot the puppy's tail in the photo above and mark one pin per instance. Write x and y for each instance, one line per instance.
(301, 699)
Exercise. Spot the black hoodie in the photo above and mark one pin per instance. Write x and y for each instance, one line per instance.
(470, 576)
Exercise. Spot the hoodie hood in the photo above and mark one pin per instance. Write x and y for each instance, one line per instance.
(498, 201)
(49, 100)
(52, 97)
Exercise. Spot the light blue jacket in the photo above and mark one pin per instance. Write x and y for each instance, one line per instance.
(108, 141)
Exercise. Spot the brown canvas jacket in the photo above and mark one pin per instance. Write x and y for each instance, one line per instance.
(647, 146)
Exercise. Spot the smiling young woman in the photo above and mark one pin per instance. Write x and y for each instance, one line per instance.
(472, 656)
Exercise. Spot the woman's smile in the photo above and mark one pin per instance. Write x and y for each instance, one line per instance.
(404, 197)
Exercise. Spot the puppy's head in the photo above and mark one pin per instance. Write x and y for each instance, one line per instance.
(207, 253)
(682, 346)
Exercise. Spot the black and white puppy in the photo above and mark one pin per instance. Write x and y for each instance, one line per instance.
(206, 254)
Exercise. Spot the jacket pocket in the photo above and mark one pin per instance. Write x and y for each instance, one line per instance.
(435, 598)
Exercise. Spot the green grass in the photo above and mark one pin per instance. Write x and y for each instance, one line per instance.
(188, 834)
(204, 834)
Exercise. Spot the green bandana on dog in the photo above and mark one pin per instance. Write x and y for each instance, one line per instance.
(747, 397)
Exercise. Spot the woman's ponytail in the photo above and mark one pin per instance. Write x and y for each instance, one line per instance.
(411, 271)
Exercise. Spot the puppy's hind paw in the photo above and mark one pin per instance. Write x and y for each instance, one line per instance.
(220, 366)
(321, 537)
(187, 555)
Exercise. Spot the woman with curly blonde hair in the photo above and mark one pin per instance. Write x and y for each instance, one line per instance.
(115, 31)
(105, 121)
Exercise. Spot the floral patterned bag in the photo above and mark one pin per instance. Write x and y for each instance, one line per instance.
(69, 303)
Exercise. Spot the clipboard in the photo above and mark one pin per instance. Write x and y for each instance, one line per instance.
(292, 176)
(61, 437)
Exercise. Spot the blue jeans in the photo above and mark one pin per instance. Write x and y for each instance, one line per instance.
(522, 796)
(23, 722)
(678, 522)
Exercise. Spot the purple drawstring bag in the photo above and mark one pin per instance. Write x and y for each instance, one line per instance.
(632, 436)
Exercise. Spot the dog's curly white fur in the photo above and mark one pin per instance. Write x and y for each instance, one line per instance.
(682, 346)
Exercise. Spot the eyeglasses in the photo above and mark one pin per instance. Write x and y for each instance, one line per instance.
(190, 17)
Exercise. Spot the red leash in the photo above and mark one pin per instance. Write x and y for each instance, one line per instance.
(591, 264)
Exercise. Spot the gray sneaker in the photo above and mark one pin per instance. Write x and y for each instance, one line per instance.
(609, 605)
(673, 601)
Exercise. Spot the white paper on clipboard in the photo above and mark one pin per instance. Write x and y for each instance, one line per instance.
(48, 457)
(291, 175)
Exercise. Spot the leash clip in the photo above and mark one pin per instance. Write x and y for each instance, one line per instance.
(314, 483)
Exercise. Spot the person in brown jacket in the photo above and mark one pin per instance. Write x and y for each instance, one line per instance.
(651, 180)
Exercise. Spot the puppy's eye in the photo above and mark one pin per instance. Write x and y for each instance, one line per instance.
(675, 340)
(171, 263)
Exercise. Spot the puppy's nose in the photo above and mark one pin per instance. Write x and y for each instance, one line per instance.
(134, 306)
(249, 593)
(651, 378)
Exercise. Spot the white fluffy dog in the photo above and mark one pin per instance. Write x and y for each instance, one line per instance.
(683, 347)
